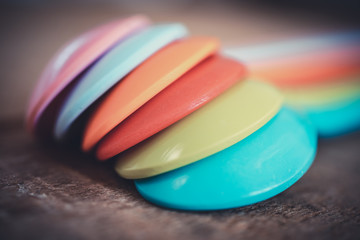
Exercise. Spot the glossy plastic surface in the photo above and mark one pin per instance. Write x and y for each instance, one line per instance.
(336, 118)
(74, 58)
(190, 92)
(229, 118)
(257, 168)
(111, 68)
(147, 80)
(323, 94)
(333, 108)
(310, 68)
(291, 47)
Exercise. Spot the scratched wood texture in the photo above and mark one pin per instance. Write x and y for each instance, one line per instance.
(50, 193)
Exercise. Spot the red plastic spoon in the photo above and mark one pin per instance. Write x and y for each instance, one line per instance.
(194, 89)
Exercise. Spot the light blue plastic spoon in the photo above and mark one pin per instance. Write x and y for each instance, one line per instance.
(111, 68)
(257, 168)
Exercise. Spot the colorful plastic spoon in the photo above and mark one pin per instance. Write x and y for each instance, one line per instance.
(312, 96)
(257, 168)
(147, 80)
(229, 118)
(74, 58)
(52, 69)
(196, 88)
(207, 80)
(292, 47)
(333, 108)
(310, 68)
(111, 68)
(336, 118)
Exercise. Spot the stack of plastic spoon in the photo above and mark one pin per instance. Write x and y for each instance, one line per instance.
(186, 123)
(72, 60)
(319, 76)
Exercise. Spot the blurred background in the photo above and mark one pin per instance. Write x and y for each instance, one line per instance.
(33, 30)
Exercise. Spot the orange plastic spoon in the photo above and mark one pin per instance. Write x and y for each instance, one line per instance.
(156, 73)
(314, 68)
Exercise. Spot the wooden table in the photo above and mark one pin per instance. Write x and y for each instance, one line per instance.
(50, 193)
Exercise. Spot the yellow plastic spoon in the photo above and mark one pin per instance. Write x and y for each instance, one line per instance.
(226, 120)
